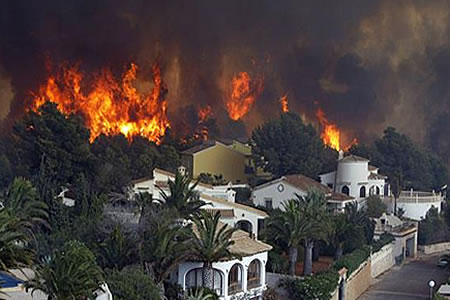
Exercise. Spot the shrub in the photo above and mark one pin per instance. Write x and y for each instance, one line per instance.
(352, 260)
(318, 286)
(132, 284)
(385, 238)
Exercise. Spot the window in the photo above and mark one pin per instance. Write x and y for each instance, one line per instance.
(378, 190)
(345, 190)
(254, 274)
(330, 185)
(268, 203)
(362, 192)
(194, 278)
(235, 279)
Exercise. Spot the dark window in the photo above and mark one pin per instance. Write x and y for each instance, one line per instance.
(362, 192)
(345, 190)
(235, 279)
(194, 278)
(268, 203)
(254, 274)
(378, 190)
(330, 185)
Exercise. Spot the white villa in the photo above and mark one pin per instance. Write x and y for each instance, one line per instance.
(232, 278)
(273, 193)
(356, 178)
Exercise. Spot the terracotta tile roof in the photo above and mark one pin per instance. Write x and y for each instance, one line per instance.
(139, 180)
(243, 245)
(372, 168)
(201, 147)
(256, 211)
(306, 183)
(224, 213)
(339, 197)
(375, 176)
(353, 158)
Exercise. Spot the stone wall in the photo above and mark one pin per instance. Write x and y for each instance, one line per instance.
(435, 248)
(382, 260)
(358, 282)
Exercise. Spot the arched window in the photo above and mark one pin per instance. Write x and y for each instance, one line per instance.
(194, 278)
(372, 190)
(362, 192)
(235, 279)
(378, 190)
(345, 190)
(245, 225)
(254, 274)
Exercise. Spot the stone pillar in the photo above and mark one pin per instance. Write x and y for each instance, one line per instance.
(244, 277)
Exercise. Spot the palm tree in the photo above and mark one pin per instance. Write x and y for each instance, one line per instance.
(211, 242)
(199, 294)
(362, 226)
(22, 202)
(288, 228)
(13, 254)
(313, 208)
(162, 247)
(338, 231)
(117, 251)
(182, 196)
(71, 273)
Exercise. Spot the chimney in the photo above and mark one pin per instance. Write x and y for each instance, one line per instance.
(182, 170)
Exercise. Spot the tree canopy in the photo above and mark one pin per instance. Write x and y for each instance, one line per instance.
(289, 146)
(399, 158)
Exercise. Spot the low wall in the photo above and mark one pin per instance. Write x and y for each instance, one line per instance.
(435, 248)
(382, 260)
(358, 282)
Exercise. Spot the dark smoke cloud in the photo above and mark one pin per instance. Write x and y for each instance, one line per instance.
(367, 64)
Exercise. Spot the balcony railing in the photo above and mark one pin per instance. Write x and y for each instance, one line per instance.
(253, 282)
(234, 287)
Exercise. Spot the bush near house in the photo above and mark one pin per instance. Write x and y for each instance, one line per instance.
(385, 238)
(318, 286)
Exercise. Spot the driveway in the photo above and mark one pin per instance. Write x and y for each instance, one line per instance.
(408, 282)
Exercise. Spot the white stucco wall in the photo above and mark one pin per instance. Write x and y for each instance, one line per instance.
(270, 191)
(417, 211)
(225, 267)
(382, 260)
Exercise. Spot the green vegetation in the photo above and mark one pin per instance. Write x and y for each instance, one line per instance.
(375, 206)
(318, 286)
(405, 163)
(289, 146)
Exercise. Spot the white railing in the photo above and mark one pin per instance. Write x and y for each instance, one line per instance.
(419, 197)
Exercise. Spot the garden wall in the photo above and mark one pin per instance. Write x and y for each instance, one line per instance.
(435, 248)
(382, 260)
(359, 281)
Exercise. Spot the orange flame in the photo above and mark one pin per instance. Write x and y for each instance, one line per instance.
(204, 113)
(330, 134)
(284, 104)
(243, 94)
(109, 106)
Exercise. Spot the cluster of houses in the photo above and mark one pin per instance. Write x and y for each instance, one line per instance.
(353, 181)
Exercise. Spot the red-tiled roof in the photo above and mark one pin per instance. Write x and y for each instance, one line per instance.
(339, 197)
(306, 183)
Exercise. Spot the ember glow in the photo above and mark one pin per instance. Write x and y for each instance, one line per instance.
(243, 92)
(284, 104)
(204, 113)
(330, 133)
(108, 105)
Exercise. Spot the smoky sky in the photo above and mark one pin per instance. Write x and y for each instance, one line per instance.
(367, 64)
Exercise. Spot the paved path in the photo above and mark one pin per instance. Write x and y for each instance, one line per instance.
(407, 282)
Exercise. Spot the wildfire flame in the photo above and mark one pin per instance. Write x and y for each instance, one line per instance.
(330, 134)
(203, 115)
(109, 106)
(284, 104)
(244, 92)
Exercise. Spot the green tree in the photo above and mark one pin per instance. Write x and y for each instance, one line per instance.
(62, 141)
(131, 283)
(288, 146)
(313, 209)
(287, 228)
(362, 226)
(211, 179)
(375, 206)
(339, 228)
(431, 229)
(71, 273)
(182, 196)
(118, 250)
(210, 242)
(13, 254)
(22, 202)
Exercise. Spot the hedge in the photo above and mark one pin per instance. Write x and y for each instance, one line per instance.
(352, 260)
(385, 238)
(318, 286)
